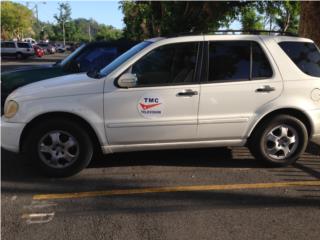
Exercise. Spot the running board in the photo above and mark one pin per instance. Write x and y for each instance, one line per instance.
(107, 149)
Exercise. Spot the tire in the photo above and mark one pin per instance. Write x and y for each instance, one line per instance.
(279, 141)
(19, 56)
(59, 148)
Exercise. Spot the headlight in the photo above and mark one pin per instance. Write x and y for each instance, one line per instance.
(10, 108)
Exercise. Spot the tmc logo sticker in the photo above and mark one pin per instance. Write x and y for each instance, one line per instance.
(150, 106)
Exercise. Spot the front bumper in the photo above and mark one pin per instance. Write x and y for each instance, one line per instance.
(10, 135)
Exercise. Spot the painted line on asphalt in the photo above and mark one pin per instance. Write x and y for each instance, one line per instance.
(118, 192)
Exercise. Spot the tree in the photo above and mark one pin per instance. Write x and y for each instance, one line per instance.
(16, 20)
(309, 20)
(108, 33)
(250, 20)
(63, 17)
(155, 18)
(279, 15)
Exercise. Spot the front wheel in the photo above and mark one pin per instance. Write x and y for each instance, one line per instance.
(60, 148)
(279, 141)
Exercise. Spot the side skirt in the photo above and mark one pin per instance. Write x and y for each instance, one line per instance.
(107, 149)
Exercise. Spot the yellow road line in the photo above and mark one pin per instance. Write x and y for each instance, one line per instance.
(174, 189)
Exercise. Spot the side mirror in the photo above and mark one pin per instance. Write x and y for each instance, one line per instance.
(127, 80)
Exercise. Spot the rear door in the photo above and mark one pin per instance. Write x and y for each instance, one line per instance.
(241, 77)
(163, 107)
(8, 49)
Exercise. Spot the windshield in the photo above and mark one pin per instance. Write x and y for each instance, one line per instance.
(122, 58)
(67, 59)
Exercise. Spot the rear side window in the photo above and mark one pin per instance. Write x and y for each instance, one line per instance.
(237, 61)
(305, 55)
(7, 45)
(24, 45)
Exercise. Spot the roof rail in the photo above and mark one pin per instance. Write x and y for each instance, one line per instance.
(256, 32)
(230, 31)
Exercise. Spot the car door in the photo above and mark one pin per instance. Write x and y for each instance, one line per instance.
(163, 106)
(241, 78)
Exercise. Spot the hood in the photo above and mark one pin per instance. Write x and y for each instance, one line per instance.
(12, 80)
(73, 84)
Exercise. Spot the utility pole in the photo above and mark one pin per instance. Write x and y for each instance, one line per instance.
(89, 31)
(35, 9)
(64, 34)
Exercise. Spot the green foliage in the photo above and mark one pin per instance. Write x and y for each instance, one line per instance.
(16, 20)
(250, 20)
(154, 18)
(64, 13)
(280, 15)
(108, 33)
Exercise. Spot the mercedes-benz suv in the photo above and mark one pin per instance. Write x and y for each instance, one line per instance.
(167, 93)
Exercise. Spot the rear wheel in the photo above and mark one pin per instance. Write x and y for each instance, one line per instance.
(60, 148)
(279, 141)
(19, 56)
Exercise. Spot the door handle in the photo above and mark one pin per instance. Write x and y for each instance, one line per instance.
(187, 93)
(266, 88)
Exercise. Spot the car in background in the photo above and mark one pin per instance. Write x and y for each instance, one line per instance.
(49, 48)
(19, 50)
(88, 57)
(39, 52)
(30, 40)
(60, 48)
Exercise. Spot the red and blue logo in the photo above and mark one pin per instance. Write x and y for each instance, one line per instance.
(150, 107)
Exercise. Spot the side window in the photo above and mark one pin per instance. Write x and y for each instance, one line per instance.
(237, 61)
(261, 68)
(24, 45)
(8, 45)
(96, 58)
(229, 61)
(305, 55)
(170, 64)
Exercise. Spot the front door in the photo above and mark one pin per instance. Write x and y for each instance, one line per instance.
(163, 106)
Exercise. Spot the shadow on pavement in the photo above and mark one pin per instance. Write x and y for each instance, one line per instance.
(15, 167)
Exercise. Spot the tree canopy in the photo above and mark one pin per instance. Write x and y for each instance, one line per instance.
(16, 20)
(144, 19)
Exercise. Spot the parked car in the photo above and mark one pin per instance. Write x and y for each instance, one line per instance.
(49, 49)
(39, 52)
(60, 48)
(30, 40)
(19, 50)
(87, 57)
(169, 93)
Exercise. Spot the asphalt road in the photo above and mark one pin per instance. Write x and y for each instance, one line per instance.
(220, 193)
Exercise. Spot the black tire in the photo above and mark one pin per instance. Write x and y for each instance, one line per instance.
(259, 144)
(19, 56)
(83, 150)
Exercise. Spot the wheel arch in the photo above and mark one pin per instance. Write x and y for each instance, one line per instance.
(299, 114)
(61, 115)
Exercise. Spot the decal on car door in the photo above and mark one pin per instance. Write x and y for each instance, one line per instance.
(150, 106)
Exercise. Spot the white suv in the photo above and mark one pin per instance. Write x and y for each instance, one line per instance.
(169, 93)
(17, 49)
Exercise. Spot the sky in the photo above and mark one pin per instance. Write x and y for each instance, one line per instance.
(106, 12)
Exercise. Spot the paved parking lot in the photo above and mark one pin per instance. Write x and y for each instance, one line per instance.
(218, 193)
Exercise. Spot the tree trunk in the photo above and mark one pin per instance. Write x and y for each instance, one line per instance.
(309, 21)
